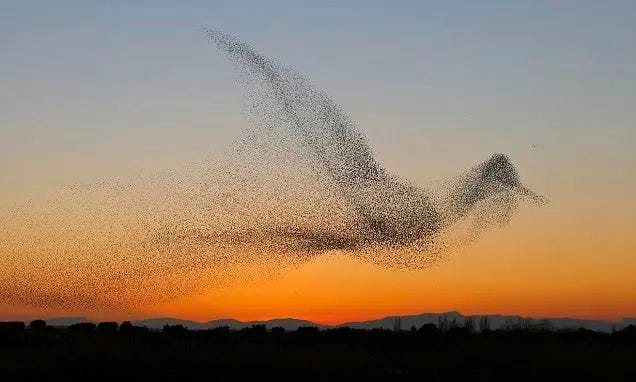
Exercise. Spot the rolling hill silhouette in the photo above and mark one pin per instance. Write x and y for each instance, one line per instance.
(407, 321)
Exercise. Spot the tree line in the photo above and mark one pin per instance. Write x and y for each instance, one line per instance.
(446, 351)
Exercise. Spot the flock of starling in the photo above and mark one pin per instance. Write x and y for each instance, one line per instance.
(300, 182)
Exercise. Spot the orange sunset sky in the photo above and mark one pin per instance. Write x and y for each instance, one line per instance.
(99, 93)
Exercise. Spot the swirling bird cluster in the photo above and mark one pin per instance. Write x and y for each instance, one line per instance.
(300, 182)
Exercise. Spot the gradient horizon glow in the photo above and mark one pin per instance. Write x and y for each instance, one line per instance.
(93, 92)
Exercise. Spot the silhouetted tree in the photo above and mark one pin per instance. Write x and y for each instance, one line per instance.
(11, 327)
(37, 324)
(628, 332)
(175, 330)
(428, 330)
(221, 330)
(126, 327)
(484, 324)
(469, 325)
(544, 325)
(510, 324)
(255, 330)
(397, 324)
(307, 330)
(442, 323)
(107, 327)
(278, 331)
(82, 327)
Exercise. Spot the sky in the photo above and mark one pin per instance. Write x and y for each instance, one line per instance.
(92, 91)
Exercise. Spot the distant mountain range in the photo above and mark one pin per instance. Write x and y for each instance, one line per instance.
(287, 323)
(405, 322)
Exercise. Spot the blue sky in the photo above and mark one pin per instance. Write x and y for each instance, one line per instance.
(106, 89)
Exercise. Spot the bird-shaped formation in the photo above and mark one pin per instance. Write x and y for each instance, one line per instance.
(302, 181)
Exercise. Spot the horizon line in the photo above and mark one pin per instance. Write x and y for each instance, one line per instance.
(377, 318)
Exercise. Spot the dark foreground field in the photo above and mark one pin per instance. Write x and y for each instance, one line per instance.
(425, 354)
